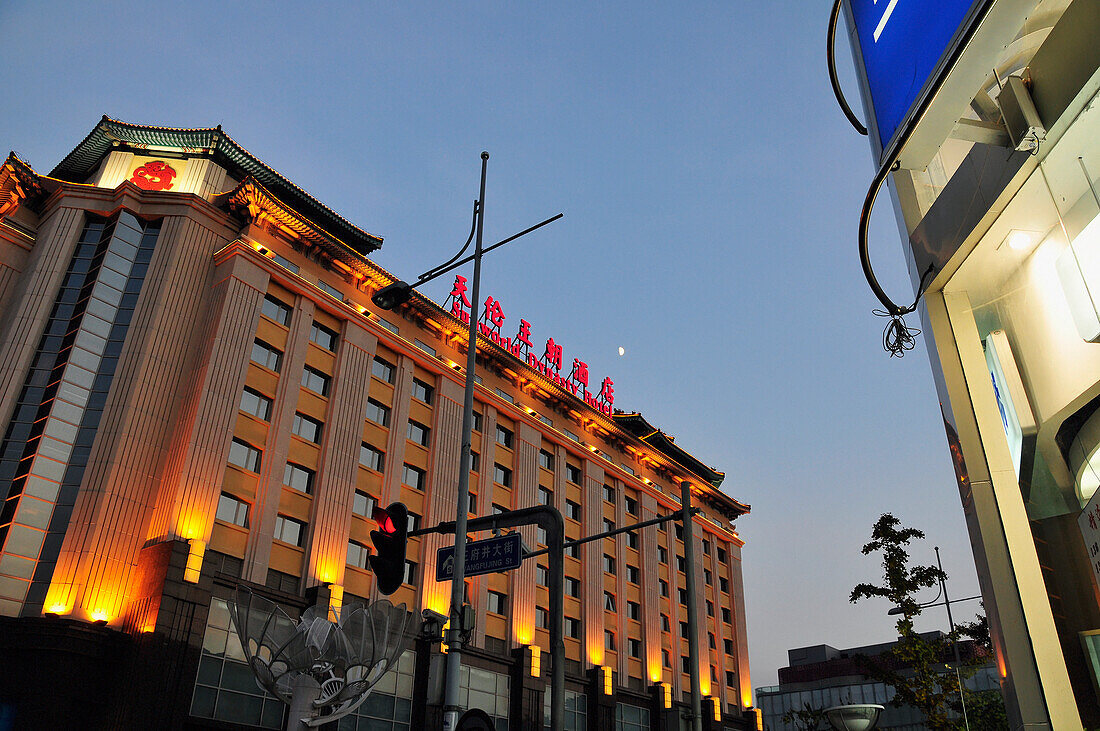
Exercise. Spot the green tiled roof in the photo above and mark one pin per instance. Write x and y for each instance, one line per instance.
(79, 164)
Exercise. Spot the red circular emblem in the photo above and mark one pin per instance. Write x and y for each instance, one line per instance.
(154, 176)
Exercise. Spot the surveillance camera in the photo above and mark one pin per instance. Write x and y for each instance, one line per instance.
(429, 615)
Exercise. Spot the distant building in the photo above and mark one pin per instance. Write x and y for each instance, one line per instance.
(823, 676)
(196, 391)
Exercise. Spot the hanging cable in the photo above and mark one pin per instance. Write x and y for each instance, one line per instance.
(830, 57)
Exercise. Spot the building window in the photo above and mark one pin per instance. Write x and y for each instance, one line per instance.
(371, 458)
(417, 432)
(627, 468)
(289, 530)
(546, 496)
(609, 639)
(255, 403)
(685, 664)
(504, 395)
(266, 355)
(634, 647)
(424, 346)
(727, 645)
(609, 564)
(505, 436)
(572, 586)
(666, 623)
(541, 536)
(726, 616)
(542, 575)
(722, 555)
(358, 554)
(286, 263)
(706, 547)
(573, 474)
(413, 521)
(413, 477)
(573, 628)
(609, 601)
(684, 630)
(542, 618)
(387, 325)
(330, 290)
(662, 554)
(731, 680)
(307, 428)
(679, 529)
(383, 370)
(683, 596)
(634, 610)
(324, 337)
(632, 574)
(410, 572)
(572, 510)
(713, 644)
(608, 525)
(632, 539)
(707, 577)
(546, 460)
(710, 608)
(681, 564)
(498, 603)
(244, 455)
(664, 587)
(275, 310)
(609, 493)
(298, 477)
(572, 550)
(475, 461)
(631, 505)
(503, 475)
(723, 584)
(477, 421)
(422, 391)
(378, 413)
(232, 510)
(363, 504)
(666, 659)
(472, 505)
(315, 381)
(498, 509)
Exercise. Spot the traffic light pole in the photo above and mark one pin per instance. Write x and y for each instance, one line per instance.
(451, 707)
(693, 622)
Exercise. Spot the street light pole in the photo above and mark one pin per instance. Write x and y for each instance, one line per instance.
(693, 634)
(954, 637)
(451, 707)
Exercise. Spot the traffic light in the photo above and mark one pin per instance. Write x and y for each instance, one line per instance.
(388, 561)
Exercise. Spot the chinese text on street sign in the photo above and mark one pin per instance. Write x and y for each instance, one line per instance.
(501, 553)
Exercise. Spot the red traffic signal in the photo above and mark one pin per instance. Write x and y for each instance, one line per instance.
(388, 560)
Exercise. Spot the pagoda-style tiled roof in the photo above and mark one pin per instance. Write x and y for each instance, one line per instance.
(110, 134)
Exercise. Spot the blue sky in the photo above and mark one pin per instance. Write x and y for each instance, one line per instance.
(711, 190)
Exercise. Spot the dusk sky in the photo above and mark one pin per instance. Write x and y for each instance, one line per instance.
(711, 189)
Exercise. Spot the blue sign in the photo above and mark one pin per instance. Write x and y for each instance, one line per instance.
(502, 553)
(901, 42)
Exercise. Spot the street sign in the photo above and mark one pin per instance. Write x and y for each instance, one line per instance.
(502, 553)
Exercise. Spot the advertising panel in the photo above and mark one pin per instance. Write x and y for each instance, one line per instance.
(901, 42)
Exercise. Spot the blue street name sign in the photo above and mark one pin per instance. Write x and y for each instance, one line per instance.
(502, 553)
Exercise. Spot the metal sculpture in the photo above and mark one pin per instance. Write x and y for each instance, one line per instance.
(324, 665)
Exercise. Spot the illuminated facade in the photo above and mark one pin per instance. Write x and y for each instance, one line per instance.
(995, 160)
(197, 392)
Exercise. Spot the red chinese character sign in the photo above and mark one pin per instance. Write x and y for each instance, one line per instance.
(520, 347)
(154, 176)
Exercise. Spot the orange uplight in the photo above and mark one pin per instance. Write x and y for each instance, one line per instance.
(666, 695)
(595, 653)
(193, 567)
(607, 677)
(524, 633)
(336, 597)
(99, 615)
(654, 671)
(535, 653)
(717, 709)
(57, 609)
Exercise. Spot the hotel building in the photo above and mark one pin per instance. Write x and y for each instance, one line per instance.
(196, 392)
(984, 123)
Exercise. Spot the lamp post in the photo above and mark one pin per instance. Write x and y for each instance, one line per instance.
(947, 602)
(397, 294)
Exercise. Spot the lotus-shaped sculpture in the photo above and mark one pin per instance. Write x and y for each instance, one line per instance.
(346, 651)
